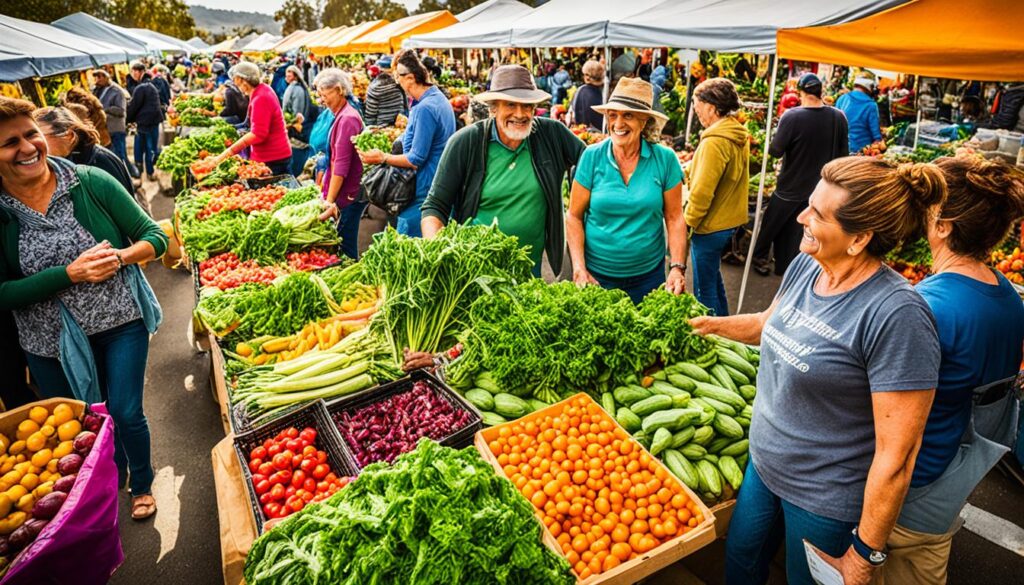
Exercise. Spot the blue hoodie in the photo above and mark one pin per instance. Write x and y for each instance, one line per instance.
(862, 116)
(658, 78)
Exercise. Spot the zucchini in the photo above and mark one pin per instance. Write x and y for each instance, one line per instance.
(681, 401)
(718, 444)
(683, 437)
(742, 460)
(744, 421)
(681, 468)
(629, 394)
(720, 394)
(727, 426)
(730, 471)
(660, 375)
(710, 457)
(642, 438)
(509, 406)
(480, 398)
(738, 377)
(672, 419)
(708, 477)
(703, 435)
(693, 451)
(682, 381)
(719, 373)
(733, 360)
(664, 388)
(628, 419)
(537, 404)
(689, 370)
(716, 405)
(662, 440)
(748, 392)
(651, 404)
(486, 381)
(735, 449)
(492, 419)
(608, 402)
(747, 412)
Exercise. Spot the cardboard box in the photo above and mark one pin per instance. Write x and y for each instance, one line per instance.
(237, 526)
(647, 564)
(218, 384)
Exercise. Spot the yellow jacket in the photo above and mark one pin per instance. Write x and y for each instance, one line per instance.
(718, 177)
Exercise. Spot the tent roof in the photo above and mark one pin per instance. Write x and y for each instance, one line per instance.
(336, 43)
(285, 44)
(198, 43)
(316, 38)
(242, 43)
(226, 45)
(746, 26)
(31, 39)
(980, 39)
(86, 25)
(565, 23)
(164, 42)
(483, 26)
(389, 37)
(264, 42)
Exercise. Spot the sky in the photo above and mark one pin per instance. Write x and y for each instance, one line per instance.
(264, 6)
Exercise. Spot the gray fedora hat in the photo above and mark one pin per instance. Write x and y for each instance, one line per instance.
(514, 83)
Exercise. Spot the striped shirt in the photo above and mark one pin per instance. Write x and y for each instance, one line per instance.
(385, 100)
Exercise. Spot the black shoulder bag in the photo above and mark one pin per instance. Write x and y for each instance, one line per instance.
(390, 188)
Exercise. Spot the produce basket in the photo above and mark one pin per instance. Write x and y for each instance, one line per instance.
(286, 181)
(312, 415)
(459, 439)
(646, 564)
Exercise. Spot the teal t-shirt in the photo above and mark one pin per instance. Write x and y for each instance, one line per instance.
(512, 194)
(625, 224)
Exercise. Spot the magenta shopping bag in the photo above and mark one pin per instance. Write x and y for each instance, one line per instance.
(81, 544)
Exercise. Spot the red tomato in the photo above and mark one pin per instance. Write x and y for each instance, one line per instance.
(277, 492)
(321, 457)
(322, 486)
(266, 445)
(308, 434)
(266, 497)
(309, 485)
(308, 450)
(282, 461)
(306, 497)
(267, 468)
(307, 465)
(321, 471)
(254, 465)
(258, 453)
(272, 509)
(262, 487)
(298, 478)
(258, 477)
(292, 432)
(273, 449)
(296, 461)
(330, 477)
(289, 491)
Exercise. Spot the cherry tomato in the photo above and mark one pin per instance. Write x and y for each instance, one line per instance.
(254, 465)
(308, 450)
(273, 449)
(309, 485)
(308, 434)
(282, 461)
(298, 478)
(267, 468)
(262, 487)
(292, 432)
(320, 471)
(321, 457)
(307, 465)
(277, 492)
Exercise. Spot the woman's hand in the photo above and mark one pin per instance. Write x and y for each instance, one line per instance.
(95, 264)
(371, 157)
(415, 360)
(676, 282)
(330, 210)
(583, 278)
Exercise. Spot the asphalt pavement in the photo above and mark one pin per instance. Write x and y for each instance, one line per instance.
(181, 546)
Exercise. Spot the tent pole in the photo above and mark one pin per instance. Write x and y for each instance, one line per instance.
(760, 184)
(689, 107)
(607, 83)
(917, 106)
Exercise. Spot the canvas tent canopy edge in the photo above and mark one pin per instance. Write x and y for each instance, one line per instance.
(389, 37)
(32, 49)
(487, 27)
(950, 39)
(89, 26)
(338, 42)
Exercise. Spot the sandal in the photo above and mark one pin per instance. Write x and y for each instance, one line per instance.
(143, 507)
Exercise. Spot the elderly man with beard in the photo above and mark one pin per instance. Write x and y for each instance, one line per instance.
(508, 168)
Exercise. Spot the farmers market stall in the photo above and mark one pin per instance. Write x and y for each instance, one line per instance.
(338, 42)
(388, 38)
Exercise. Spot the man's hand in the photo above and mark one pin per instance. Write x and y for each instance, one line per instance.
(583, 278)
(676, 282)
(371, 157)
(854, 569)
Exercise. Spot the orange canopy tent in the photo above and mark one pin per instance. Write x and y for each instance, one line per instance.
(337, 43)
(954, 39)
(388, 39)
(291, 41)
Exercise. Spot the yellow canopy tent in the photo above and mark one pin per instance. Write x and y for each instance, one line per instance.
(388, 39)
(979, 39)
(336, 43)
(319, 36)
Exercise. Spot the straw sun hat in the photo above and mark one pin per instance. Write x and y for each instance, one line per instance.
(633, 95)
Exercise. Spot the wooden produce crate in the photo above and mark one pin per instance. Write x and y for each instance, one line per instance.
(218, 383)
(634, 570)
(723, 515)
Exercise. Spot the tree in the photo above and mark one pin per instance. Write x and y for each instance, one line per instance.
(453, 6)
(47, 11)
(352, 12)
(295, 15)
(170, 17)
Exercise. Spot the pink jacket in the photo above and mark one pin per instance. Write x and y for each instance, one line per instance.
(267, 122)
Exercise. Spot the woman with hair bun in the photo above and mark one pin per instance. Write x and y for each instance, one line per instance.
(980, 321)
(850, 361)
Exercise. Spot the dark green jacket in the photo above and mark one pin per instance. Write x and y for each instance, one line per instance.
(459, 181)
(104, 209)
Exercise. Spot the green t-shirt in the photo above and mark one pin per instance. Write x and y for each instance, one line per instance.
(625, 224)
(512, 194)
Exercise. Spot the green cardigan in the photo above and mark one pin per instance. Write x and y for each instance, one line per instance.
(459, 181)
(104, 209)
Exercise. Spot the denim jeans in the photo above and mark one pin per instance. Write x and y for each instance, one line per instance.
(636, 287)
(299, 158)
(147, 147)
(120, 355)
(119, 145)
(280, 167)
(762, 520)
(706, 255)
(408, 221)
(348, 227)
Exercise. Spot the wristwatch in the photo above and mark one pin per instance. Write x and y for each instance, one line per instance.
(876, 558)
(120, 260)
(679, 265)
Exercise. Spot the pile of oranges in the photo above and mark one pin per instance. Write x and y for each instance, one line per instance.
(604, 499)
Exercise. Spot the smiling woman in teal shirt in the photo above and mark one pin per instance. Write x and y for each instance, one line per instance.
(626, 202)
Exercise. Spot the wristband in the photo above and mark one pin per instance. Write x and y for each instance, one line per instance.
(876, 558)
(679, 265)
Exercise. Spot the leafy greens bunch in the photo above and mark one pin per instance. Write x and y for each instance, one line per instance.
(436, 516)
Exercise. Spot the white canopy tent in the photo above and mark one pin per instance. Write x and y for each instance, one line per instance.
(166, 43)
(570, 23)
(264, 42)
(86, 25)
(482, 27)
(32, 49)
(198, 44)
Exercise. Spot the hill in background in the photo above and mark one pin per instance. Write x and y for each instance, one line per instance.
(216, 21)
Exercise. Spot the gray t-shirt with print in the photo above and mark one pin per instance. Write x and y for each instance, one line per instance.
(812, 437)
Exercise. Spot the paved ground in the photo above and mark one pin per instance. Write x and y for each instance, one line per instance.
(180, 546)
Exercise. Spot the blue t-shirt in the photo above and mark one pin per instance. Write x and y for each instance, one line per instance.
(431, 124)
(862, 119)
(981, 331)
(625, 224)
(812, 436)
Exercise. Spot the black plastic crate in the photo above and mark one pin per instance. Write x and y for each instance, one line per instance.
(328, 440)
(459, 439)
(286, 181)
(241, 423)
